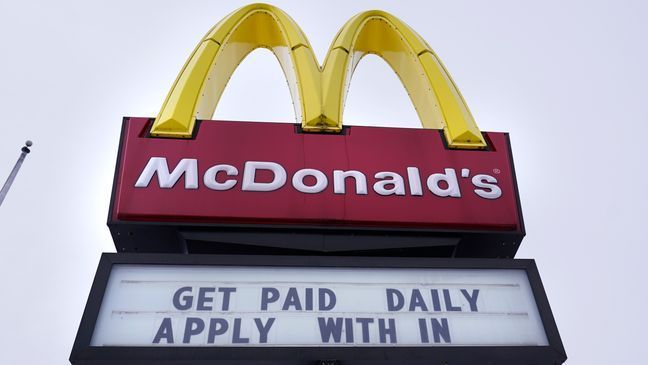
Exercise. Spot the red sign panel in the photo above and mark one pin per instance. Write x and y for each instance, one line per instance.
(271, 173)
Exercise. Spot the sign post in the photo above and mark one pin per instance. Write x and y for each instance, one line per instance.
(14, 172)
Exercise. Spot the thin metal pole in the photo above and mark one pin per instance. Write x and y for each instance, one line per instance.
(5, 189)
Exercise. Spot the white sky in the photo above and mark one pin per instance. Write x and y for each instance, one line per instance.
(567, 79)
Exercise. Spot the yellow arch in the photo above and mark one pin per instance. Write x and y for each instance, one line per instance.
(318, 93)
(433, 93)
(198, 87)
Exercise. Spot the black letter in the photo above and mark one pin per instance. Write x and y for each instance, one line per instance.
(472, 300)
(268, 295)
(384, 331)
(204, 299)
(365, 328)
(348, 327)
(440, 330)
(292, 299)
(217, 326)
(190, 330)
(391, 306)
(188, 300)
(323, 293)
(417, 301)
(309, 299)
(330, 328)
(226, 296)
(236, 338)
(436, 301)
(424, 331)
(263, 330)
(165, 331)
(448, 302)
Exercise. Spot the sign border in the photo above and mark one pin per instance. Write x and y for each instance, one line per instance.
(84, 354)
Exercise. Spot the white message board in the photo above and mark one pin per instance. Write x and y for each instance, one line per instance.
(175, 305)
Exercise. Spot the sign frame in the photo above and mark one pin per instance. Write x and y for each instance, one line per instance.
(84, 354)
(168, 236)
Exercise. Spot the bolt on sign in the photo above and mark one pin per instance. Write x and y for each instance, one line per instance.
(171, 308)
(185, 184)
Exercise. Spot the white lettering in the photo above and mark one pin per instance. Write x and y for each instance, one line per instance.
(450, 178)
(414, 179)
(249, 174)
(391, 178)
(320, 184)
(339, 177)
(272, 176)
(166, 179)
(486, 182)
(210, 177)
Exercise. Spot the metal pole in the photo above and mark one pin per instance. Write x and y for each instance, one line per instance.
(5, 189)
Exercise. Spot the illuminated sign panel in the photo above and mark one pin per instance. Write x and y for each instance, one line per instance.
(152, 305)
(212, 307)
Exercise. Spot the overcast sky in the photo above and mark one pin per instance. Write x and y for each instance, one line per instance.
(567, 79)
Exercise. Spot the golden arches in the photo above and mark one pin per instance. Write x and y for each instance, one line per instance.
(318, 93)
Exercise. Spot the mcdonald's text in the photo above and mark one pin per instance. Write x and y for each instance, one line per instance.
(443, 184)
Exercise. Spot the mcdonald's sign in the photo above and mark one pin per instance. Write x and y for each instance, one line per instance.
(186, 183)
